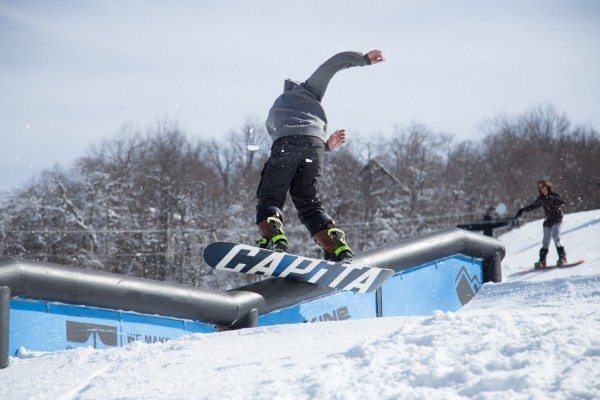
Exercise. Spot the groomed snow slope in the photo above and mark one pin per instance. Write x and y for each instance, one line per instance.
(532, 337)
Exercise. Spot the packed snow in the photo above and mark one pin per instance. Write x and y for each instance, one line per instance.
(534, 336)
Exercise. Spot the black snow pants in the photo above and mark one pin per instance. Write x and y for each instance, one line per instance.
(296, 163)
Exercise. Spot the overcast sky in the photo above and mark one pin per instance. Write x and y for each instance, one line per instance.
(73, 72)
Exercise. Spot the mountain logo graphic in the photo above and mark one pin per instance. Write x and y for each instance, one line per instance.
(466, 286)
(80, 332)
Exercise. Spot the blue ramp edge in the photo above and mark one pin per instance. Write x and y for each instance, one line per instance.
(47, 326)
(444, 285)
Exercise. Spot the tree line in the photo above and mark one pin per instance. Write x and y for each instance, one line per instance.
(147, 201)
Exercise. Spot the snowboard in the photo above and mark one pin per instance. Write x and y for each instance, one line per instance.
(548, 268)
(241, 258)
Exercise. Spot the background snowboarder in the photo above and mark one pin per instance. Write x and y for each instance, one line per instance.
(298, 126)
(551, 202)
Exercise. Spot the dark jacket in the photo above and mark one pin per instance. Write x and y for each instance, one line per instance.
(298, 110)
(552, 208)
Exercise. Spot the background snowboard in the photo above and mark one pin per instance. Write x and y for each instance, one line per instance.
(227, 256)
(548, 268)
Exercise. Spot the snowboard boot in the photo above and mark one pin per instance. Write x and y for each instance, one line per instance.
(332, 241)
(542, 262)
(272, 235)
(562, 256)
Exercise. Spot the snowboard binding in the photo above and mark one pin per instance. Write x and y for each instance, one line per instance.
(333, 242)
(273, 237)
(562, 256)
(342, 251)
(542, 262)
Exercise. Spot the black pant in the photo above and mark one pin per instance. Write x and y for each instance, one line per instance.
(296, 163)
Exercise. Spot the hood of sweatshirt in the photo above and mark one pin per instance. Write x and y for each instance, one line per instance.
(289, 84)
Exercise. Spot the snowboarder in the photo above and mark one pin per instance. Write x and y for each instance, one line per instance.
(551, 202)
(298, 127)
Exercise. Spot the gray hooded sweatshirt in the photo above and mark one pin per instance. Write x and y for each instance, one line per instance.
(298, 110)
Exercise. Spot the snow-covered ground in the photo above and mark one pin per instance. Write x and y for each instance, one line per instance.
(535, 336)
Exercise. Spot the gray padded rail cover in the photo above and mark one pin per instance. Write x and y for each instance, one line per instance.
(50, 282)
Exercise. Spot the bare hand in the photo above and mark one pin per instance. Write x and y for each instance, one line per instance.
(376, 56)
(336, 139)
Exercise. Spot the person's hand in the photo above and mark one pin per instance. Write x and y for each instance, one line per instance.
(376, 56)
(336, 139)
